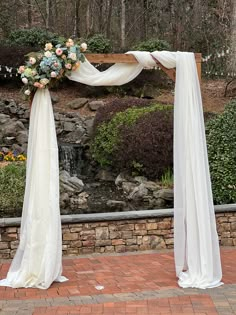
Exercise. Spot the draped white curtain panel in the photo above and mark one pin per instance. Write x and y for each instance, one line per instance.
(38, 260)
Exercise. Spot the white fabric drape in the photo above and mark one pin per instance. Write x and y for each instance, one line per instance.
(38, 259)
(195, 236)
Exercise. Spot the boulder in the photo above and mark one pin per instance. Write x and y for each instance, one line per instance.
(9, 140)
(166, 194)
(77, 103)
(70, 184)
(69, 126)
(22, 137)
(4, 119)
(122, 177)
(95, 105)
(128, 187)
(138, 193)
(89, 125)
(12, 127)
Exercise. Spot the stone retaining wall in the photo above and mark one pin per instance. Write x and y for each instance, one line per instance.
(116, 235)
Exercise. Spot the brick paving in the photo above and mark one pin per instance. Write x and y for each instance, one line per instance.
(134, 283)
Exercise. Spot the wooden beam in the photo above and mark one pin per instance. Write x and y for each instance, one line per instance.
(128, 58)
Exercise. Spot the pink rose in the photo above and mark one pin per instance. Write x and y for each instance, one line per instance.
(32, 60)
(59, 51)
(68, 66)
(21, 69)
(56, 64)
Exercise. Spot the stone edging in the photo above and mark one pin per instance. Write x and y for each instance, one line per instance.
(115, 216)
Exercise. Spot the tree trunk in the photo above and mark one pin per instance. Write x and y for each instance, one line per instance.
(47, 14)
(76, 19)
(232, 59)
(108, 27)
(123, 23)
(29, 13)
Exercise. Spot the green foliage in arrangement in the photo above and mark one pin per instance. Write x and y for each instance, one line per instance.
(152, 45)
(221, 143)
(114, 143)
(33, 37)
(99, 44)
(12, 186)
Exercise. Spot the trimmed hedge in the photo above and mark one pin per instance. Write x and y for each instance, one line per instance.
(105, 113)
(152, 45)
(99, 44)
(33, 37)
(12, 186)
(136, 139)
(221, 143)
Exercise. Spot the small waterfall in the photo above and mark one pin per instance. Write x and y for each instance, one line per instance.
(70, 158)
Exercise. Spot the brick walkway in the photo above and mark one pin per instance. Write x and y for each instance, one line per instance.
(132, 284)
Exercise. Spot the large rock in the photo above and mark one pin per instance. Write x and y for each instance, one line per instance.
(75, 136)
(128, 187)
(77, 103)
(69, 126)
(9, 140)
(4, 119)
(166, 194)
(22, 137)
(138, 193)
(12, 127)
(89, 125)
(70, 184)
(95, 105)
(122, 177)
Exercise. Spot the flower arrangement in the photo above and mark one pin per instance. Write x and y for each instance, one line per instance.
(45, 67)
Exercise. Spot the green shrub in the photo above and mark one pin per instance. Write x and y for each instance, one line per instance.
(152, 45)
(221, 143)
(33, 37)
(12, 186)
(99, 44)
(126, 142)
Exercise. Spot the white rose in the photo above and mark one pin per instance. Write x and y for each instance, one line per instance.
(25, 80)
(48, 54)
(83, 46)
(44, 81)
(27, 92)
(53, 74)
(73, 56)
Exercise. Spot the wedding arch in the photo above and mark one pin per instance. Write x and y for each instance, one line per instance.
(38, 260)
